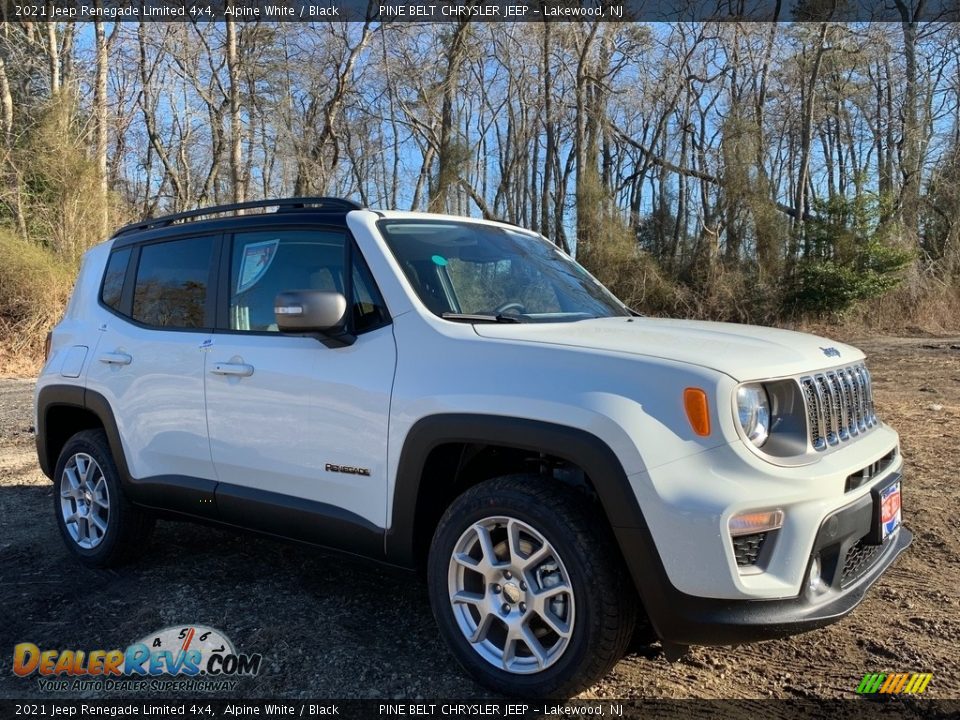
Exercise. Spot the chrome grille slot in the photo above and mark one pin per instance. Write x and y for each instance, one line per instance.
(814, 417)
(846, 379)
(839, 400)
(839, 405)
(863, 389)
(828, 408)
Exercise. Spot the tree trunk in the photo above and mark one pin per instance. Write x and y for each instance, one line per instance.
(150, 121)
(53, 58)
(447, 165)
(586, 210)
(911, 155)
(100, 117)
(236, 131)
(806, 135)
(13, 178)
(550, 150)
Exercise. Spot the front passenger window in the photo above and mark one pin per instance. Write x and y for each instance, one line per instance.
(264, 264)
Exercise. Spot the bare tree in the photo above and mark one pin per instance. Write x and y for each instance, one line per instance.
(237, 182)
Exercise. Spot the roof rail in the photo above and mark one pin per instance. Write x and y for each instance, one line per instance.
(282, 204)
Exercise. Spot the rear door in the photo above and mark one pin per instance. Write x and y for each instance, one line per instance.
(298, 430)
(156, 319)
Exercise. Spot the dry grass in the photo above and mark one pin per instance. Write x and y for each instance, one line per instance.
(922, 305)
(66, 213)
(34, 289)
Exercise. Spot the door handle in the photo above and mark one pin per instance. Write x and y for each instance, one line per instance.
(235, 369)
(116, 358)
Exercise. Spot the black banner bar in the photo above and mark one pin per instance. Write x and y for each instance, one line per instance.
(477, 10)
(206, 708)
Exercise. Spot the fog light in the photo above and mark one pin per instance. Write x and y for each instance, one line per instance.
(755, 522)
(814, 581)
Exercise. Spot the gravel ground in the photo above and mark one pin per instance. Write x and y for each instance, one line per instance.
(333, 627)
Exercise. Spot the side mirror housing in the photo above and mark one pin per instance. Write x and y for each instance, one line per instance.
(317, 313)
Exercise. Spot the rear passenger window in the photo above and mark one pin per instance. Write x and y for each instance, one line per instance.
(171, 286)
(113, 278)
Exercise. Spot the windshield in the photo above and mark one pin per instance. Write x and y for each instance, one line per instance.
(477, 272)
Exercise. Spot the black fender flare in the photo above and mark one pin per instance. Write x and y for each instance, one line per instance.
(79, 397)
(575, 445)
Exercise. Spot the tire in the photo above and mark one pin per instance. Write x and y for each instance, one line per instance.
(561, 544)
(104, 529)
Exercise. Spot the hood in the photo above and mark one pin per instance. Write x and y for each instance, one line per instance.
(744, 352)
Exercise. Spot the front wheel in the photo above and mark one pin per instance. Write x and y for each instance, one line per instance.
(528, 587)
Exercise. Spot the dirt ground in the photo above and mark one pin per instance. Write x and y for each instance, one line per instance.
(331, 627)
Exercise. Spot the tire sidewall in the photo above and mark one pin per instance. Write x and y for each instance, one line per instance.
(85, 443)
(450, 529)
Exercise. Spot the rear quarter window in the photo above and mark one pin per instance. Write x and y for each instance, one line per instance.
(112, 289)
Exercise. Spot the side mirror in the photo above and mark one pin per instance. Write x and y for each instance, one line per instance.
(313, 312)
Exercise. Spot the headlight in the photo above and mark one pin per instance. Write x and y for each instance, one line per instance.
(753, 409)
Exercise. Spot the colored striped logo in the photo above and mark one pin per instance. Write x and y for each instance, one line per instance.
(893, 683)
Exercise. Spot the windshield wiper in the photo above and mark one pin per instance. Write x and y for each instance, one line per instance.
(468, 318)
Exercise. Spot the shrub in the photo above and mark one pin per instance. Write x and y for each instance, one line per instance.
(61, 186)
(34, 288)
(846, 259)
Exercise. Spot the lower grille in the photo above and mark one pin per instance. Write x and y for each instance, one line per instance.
(862, 477)
(746, 548)
(860, 558)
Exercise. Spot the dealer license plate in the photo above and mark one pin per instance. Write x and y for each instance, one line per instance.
(890, 513)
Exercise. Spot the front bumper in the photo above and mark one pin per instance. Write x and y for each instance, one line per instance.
(849, 567)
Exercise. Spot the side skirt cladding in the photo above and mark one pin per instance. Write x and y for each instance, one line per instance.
(206, 500)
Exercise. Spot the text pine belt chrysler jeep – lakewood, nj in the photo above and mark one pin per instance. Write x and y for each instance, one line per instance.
(461, 397)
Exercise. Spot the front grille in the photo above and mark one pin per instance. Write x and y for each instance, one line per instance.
(839, 405)
(860, 558)
(746, 548)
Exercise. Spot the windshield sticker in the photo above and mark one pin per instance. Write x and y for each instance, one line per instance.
(439, 260)
(257, 258)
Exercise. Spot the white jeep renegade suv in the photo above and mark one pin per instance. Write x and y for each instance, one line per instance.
(459, 396)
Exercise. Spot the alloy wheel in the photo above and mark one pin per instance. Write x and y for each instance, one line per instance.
(84, 501)
(511, 595)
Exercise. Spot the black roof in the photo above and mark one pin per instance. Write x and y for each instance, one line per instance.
(282, 205)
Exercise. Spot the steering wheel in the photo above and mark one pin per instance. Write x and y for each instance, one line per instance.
(502, 309)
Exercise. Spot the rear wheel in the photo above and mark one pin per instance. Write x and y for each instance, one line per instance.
(528, 588)
(96, 521)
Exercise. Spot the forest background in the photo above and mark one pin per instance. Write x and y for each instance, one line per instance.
(795, 174)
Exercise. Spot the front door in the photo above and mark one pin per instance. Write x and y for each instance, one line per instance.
(298, 430)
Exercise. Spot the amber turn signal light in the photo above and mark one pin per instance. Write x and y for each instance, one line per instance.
(698, 410)
(749, 523)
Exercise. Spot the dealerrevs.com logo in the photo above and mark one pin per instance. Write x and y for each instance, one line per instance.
(186, 658)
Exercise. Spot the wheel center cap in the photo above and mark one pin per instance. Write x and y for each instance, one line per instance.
(512, 593)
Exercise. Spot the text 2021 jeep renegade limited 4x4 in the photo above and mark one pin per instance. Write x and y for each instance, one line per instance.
(458, 395)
